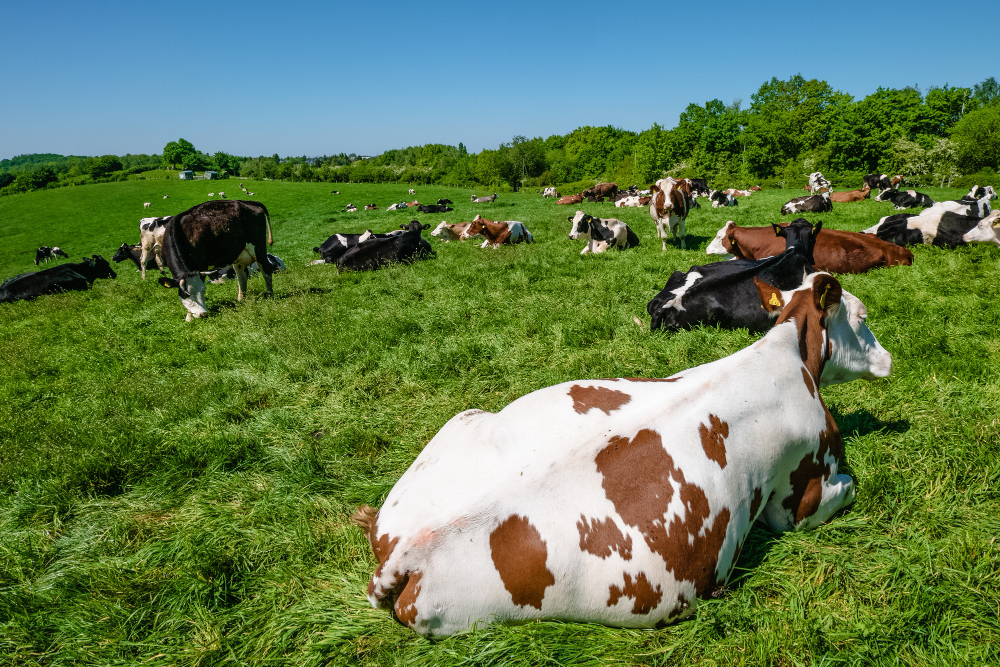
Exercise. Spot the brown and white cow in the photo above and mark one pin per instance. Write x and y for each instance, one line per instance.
(570, 199)
(669, 208)
(622, 501)
(738, 193)
(508, 232)
(835, 250)
(550, 192)
(453, 232)
(851, 195)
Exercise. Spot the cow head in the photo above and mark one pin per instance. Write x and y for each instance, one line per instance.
(123, 253)
(580, 225)
(987, 231)
(102, 269)
(722, 237)
(475, 227)
(799, 233)
(191, 290)
(885, 195)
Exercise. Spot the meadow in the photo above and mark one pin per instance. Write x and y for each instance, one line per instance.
(178, 493)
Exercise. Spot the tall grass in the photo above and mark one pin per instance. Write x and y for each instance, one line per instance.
(178, 493)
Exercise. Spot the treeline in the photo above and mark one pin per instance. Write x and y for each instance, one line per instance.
(789, 128)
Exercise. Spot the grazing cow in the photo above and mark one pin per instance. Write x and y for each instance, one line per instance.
(151, 232)
(602, 190)
(986, 230)
(379, 250)
(65, 277)
(227, 273)
(980, 191)
(45, 253)
(210, 235)
(445, 202)
(165, 196)
(570, 199)
(601, 233)
(147, 204)
(508, 232)
(484, 200)
(134, 253)
(623, 501)
(725, 293)
(454, 232)
(851, 195)
(935, 226)
(816, 181)
(905, 199)
(669, 208)
(835, 250)
(550, 192)
(720, 199)
(876, 182)
(808, 204)
(434, 208)
(411, 191)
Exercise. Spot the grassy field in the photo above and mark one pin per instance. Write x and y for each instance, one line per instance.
(179, 493)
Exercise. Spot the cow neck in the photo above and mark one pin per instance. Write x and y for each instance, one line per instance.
(173, 256)
(810, 323)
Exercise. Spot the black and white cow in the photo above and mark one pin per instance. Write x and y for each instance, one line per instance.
(211, 235)
(935, 226)
(601, 234)
(818, 182)
(727, 294)
(808, 204)
(45, 253)
(699, 187)
(980, 191)
(227, 273)
(979, 208)
(434, 208)
(877, 181)
(489, 199)
(378, 251)
(65, 277)
(445, 202)
(904, 199)
(151, 239)
(134, 253)
(721, 199)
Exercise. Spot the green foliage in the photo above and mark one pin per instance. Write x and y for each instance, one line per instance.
(977, 137)
(103, 166)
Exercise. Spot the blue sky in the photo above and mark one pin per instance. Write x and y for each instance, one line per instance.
(314, 78)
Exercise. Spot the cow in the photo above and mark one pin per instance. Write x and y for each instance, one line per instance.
(851, 195)
(808, 204)
(754, 188)
(550, 192)
(905, 199)
(371, 207)
(332, 192)
(71, 276)
(377, 251)
(397, 207)
(725, 294)
(484, 200)
(350, 208)
(151, 232)
(166, 196)
(980, 191)
(334, 247)
(210, 235)
(738, 193)
(570, 199)
(877, 181)
(602, 190)
(817, 181)
(411, 191)
(632, 201)
(508, 232)
(721, 199)
(134, 253)
(412, 204)
(979, 208)
(835, 251)
(669, 209)
(454, 232)
(896, 181)
(227, 273)
(147, 204)
(444, 202)
(434, 208)
(45, 253)
(623, 501)
(934, 226)
(601, 233)
(986, 230)
(699, 187)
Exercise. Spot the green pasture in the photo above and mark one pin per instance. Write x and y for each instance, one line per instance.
(178, 493)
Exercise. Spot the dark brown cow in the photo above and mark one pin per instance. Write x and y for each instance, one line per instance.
(570, 199)
(602, 190)
(836, 251)
(851, 195)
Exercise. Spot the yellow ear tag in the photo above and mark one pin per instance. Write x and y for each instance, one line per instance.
(774, 299)
(822, 299)
(997, 223)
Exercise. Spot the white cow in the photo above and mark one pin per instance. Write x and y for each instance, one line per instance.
(601, 233)
(550, 192)
(987, 231)
(622, 501)
(147, 204)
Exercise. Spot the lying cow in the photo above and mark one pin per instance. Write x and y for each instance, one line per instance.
(623, 501)
(980, 191)
(851, 195)
(570, 199)
(484, 200)
(721, 199)
(808, 204)
(45, 253)
(934, 226)
(631, 201)
(338, 244)
(134, 253)
(836, 251)
(738, 193)
(453, 232)
(444, 202)
(210, 235)
(227, 273)
(877, 181)
(979, 208)
(817, 181)
(508, 232)
(725, 293)
(986, 230)
(397, 207)
(904, 199)
(434, 208)
(669, 208)
(601, 190)
(601, 234)
(151, 232)
(550, 192)
(71, 276)
(699, 187)
(377, 251)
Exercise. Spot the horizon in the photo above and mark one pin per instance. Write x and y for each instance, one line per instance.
(522, 70)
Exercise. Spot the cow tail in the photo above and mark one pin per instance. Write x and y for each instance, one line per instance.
(364, 517)
(267, 220)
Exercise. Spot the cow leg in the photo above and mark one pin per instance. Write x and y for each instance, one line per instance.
(265, 266)
(241, 280)
(158, 256)
(819, 500)
(683, 235)
(142, 260)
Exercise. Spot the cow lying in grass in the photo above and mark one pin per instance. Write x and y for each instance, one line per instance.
(986, 230)
(623, 501)
(601, 233)
(453, 232)
(508, 232)
(935, 226)
(65, 277)
(374, 251)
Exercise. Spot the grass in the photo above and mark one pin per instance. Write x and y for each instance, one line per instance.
(178, 493)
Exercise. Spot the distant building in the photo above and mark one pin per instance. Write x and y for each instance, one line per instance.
(209, 175)
(186, 175)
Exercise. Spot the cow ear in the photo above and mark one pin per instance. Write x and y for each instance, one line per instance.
(770, 296)
(426, 227)
(826, 292)
(166, 282)
(819, 226)
(778, 229)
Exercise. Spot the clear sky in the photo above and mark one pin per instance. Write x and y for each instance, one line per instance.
(314, 78)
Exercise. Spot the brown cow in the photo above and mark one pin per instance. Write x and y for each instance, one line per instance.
(602, 190)
(453, 232)
(570, 199)
(851, 195)
(754, 188)
(671, 201)
(835, 251)
(497, 233)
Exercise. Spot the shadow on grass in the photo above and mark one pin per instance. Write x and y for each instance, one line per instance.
(862, 423)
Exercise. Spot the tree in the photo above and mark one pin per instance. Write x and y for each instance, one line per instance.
(104, 165)
(987, 92)
(977, 139)
(178, 152)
